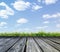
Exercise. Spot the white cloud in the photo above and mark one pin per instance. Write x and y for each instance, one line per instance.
(58, 25)
(51, 16)
(36, 7)
(21, 5)
(38, 27)
(26, 29)
(41, 27)
(5, 13)
(2, 24)
(22, 20)
(5, 27)
(47, 2)
(46, 22)
(39, 0)
(59, 20)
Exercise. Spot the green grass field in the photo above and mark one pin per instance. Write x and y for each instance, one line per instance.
(44, 34)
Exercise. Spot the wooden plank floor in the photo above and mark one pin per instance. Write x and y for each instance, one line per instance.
(29, 44)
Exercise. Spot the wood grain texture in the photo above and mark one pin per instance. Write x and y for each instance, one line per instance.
(29, 44)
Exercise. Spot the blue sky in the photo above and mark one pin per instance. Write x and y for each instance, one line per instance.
(29, 15)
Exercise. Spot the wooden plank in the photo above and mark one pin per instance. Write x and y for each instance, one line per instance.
(46, 47)
(57, 46)
(56, 40)
(19, 46)
(32, 46)
(4, 41)
(8, 44)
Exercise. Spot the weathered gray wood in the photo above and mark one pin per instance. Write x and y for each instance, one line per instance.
(57, 46)
(7, 45)
(57, 40)
(19, 46)
(32, 46)
(46, 47)
(4, 41)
